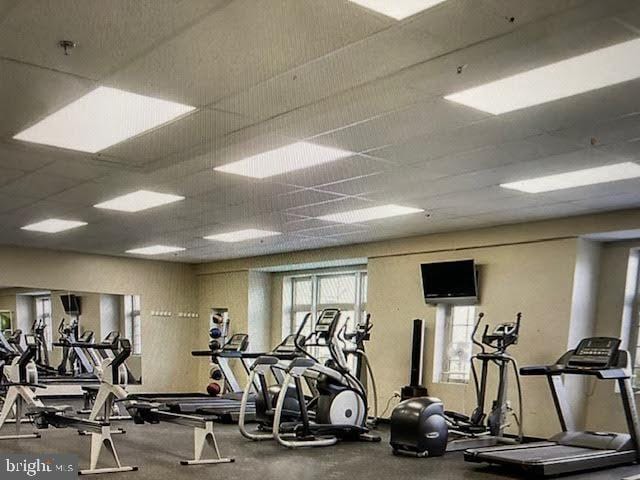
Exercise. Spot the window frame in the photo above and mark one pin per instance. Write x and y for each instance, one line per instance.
(47, 317)
(634, 330)
(445, 318)
(133, 322)
(291, 308)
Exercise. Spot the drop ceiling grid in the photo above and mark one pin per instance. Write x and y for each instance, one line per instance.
(426, 152)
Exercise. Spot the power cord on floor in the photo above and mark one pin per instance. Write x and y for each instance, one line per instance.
(386, 408)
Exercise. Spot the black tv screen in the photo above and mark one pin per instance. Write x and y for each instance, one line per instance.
(71, 304)
(449, 281)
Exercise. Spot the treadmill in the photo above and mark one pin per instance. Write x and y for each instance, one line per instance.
(225, 407)
(572, 451)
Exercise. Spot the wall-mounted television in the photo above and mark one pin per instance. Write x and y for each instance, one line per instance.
(450, 282)
(71, 304)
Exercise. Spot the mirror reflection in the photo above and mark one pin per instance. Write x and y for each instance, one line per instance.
(75, 332)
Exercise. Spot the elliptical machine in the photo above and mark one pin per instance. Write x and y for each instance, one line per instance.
(74, 361)
(341, 407)
(38, 329)
(274, 363)
(480, 429)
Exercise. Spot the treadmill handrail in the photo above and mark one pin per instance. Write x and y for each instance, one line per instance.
(550, 370)
(244, 355)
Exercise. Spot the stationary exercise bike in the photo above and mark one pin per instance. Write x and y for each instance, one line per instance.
(480, 428)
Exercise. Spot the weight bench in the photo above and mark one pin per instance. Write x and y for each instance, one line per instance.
(100, 432)
(203, 435)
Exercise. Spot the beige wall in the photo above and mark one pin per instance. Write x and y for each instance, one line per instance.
(225, 290)
(8, 302)
(259, 311)
(529, 268)
(167, 364)
(535, 278)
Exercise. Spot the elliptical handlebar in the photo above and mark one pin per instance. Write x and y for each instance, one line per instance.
(475, 330)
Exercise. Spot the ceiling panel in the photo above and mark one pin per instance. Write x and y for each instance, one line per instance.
(419, 120)
(18, 158)
(345, 108)
(495, 156)
(582, 112)
(108, 34)
(332, 230)
(29, 93)
(220, 60)
(629, 149)
(342, 205)
(325, 72)
(7, 175)
(388, 52)
(37, 185)
(339, 170)
(616, 201)
(490, 131)
(608, 132)
(10, 202)
(573, 33)
(199, 129)
(87, 194)
(37, 211)
(80, 170)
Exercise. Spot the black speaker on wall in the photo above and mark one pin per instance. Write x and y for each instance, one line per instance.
(415, 387)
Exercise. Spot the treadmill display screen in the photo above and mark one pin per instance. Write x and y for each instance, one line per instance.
(600, 343)
(596, 353)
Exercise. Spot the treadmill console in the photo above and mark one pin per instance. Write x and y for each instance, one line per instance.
(594, 353)
(239, 342)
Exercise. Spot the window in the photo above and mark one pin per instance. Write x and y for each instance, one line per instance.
(631, 314)
(132, 323)
(5, 320)
(43, 319)
(313, 293)
(454, 330)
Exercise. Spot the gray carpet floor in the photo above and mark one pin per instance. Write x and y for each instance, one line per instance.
(157, 450)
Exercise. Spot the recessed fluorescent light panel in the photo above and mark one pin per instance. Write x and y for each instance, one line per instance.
(573, 76)
(138, 201)
(372, 213)
(285, 159)
(155, 250)
(398, 9)
(53, 225)
(577, 178)
(102, 118)
(241, 235)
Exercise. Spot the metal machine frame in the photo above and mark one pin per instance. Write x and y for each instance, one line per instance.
(571, 451)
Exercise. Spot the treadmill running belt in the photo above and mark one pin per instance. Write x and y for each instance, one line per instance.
(549, 453)
(548, 460)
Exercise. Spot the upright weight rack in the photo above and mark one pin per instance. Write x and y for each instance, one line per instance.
(219, 323)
